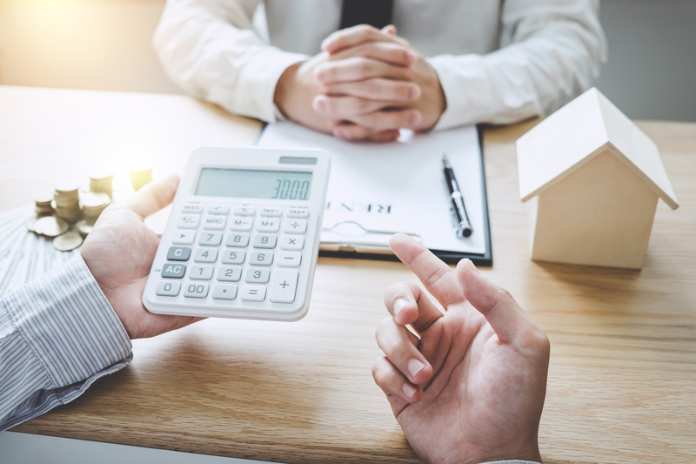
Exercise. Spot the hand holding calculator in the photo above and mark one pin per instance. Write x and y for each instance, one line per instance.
(243, 236)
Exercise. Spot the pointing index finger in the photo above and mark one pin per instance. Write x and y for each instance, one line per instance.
(439, 279)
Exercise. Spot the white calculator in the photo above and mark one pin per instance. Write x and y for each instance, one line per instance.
(243, 236)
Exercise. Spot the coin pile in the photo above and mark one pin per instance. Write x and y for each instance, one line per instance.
(102, 183)
(44, 205)
(66, 203)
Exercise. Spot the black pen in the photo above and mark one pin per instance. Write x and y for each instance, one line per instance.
(463, 228)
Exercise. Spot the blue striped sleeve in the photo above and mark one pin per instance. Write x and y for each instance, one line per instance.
(57, 336)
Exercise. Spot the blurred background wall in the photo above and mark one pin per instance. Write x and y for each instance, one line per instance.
(106, 44)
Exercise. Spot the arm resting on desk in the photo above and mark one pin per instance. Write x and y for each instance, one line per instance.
(208, 48)
(551, 52)
(58, 335)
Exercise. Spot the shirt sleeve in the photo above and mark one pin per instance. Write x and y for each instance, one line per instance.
(58, 335)
(209, 48)
(550, 52)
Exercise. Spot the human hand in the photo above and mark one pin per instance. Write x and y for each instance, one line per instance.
(472, 388)
(302, 95)
(417, 98)
(119, 253)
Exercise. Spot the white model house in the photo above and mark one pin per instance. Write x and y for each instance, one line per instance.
(594, 180)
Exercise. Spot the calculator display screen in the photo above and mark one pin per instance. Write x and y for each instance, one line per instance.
(251, 183)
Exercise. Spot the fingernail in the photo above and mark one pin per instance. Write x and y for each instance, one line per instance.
(408, 390)
(399, 304)
(414, 367)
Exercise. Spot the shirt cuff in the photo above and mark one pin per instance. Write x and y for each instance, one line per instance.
(259, 79)
(69, 324)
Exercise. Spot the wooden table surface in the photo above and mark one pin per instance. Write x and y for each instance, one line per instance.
(622, 383)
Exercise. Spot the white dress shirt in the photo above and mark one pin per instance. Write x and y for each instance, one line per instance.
(498, 61)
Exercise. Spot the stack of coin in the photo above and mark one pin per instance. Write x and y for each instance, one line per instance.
(101, 183)
(66, 203)
(92, 206)
(140, 177)
(43, 205)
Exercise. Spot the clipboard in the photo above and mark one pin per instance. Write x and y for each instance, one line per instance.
(363, 171)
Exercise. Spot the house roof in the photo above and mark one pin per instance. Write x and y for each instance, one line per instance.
(573, 135)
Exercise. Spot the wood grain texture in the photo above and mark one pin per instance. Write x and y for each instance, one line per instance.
(623, 367)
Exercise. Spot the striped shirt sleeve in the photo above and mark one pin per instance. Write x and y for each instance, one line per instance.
(58, 335)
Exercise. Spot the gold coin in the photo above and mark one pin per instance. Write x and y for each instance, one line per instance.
(68, 241)
(84, 227)
(43, 200)
(94, 200)
(50, 226)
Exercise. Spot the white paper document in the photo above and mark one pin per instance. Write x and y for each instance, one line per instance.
(376, 190)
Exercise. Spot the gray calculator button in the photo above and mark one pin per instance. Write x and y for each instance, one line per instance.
(189, 221)
(196, 290)
(214, 222)
(169, 288)
(237, 239)
(173, 270)
(257, 275)
(297, 213)
(253, 292)
(295, 226)
(206, 255)
(265, 240)
(184, 237)
(272, 212)
(218, 209)
(268, 224)
(283, 286)
(289, 259)
(201, 273)
(177, 253)
(229, 273)
(225, 292)
(210, 238)
(241, 223)
(192, 208)
(233, 256)
(245, 211)
(261, 258)
(291, 242)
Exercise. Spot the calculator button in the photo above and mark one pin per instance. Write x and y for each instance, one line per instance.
(218, 209)
(184, 237)
(253, 292)
(295, 226)
(291, 242)
(176, 253)
(245, 211)
(214, 222)
(229, 273)
(297, 213)
(261, 258)
(169, 288)
(201, 273)
(268, 224)
(210, 238)
(192, 208)
(173, 271)
(257, 275)
(238, 239)
(225, 292)
(283, 286)
(289, 258)
(273, 212)
(189, 221)
(196, 290)
(265, 240)
(233, 256)
(206, 255)
(241, 223)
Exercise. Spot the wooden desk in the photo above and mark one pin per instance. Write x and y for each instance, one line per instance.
(623, 369)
